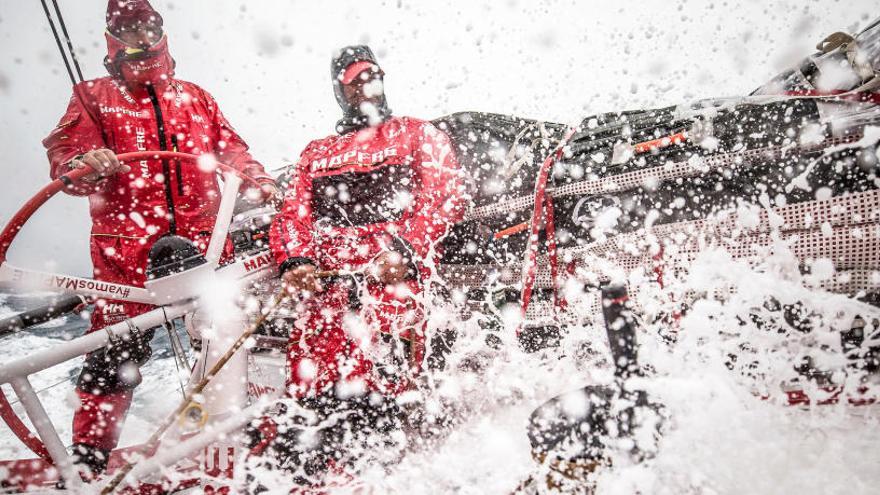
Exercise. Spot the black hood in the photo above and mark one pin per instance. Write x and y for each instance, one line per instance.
(352, 118)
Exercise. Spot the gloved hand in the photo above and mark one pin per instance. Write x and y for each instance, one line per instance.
(390, 267)
(102, 161)
(267, 194)
(302, 277)
(271, 195)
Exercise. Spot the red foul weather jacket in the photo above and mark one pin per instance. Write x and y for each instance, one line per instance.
(396, 186)
(131, 210)
(179, 116)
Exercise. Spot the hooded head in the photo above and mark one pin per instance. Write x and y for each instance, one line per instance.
(358, 87)
(137, 48)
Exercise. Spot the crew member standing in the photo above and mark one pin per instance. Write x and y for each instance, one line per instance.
(141, 106)
(375, 199)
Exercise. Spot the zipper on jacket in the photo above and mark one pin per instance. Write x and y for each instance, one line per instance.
(177, 173)
(166, 169)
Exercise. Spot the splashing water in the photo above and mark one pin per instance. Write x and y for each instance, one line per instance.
(719, 372)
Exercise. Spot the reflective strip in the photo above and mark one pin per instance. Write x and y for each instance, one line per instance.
(121, 236)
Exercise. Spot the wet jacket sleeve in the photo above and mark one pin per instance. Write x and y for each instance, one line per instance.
(290, 236)
(76, 134)
(231, 149)
(439, 200)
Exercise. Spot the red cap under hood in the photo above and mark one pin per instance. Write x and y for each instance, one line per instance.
(131, 14)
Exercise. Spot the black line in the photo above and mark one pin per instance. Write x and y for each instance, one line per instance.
(177, 171)
(67, 39)
(166, 169)
(58, 42)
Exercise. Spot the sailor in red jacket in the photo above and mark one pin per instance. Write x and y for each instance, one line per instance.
(140, 106)
(374, 200)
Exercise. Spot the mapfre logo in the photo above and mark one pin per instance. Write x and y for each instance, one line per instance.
(257, 262)
(155, 65)
(353, 156)
(123, 92)
(120, 111)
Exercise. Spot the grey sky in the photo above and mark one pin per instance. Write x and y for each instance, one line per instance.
(267, 64)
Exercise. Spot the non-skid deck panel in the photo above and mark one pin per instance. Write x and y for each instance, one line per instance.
(844, 229)
(639, 178)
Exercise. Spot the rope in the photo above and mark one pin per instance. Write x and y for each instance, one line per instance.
(834, 40)
(153, 441)
(543, 213)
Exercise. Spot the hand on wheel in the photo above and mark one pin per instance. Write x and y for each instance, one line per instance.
(271, 195)
(102, 161)
(267, 194)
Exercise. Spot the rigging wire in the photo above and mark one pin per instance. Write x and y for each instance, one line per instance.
(44, 389)
(58, 42)
(178, 353)
(67, 39)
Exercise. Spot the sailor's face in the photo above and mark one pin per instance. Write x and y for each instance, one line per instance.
(141, 36)
(367, 87)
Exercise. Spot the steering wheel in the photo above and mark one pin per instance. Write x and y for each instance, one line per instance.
(14, 226)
